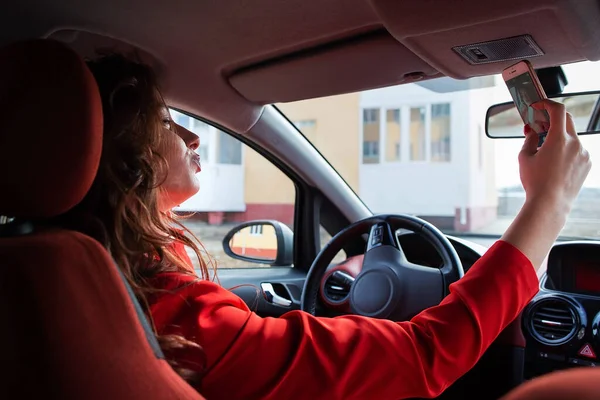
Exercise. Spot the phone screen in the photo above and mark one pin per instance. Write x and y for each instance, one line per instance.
(524, 94)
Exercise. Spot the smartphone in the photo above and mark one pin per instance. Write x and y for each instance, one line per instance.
(526, 89)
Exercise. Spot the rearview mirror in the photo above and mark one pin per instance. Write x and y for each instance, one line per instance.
(263, 242)
(503, 121)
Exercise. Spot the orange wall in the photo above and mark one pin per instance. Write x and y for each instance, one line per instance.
(266, 240)
(335, 134)
(262, 246)
(265, 183)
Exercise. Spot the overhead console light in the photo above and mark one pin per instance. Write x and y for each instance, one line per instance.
(513, 48)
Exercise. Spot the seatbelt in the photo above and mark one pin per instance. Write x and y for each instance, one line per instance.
(148, 332)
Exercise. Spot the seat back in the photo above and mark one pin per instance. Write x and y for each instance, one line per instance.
(71, 329)
(582, 383)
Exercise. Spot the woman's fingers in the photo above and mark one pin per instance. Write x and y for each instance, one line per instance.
(559, 168)
(571, 125)
(558, 118)
(531, 142)
(552, 177)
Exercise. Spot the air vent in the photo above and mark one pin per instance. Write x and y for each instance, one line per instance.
(337, 286)
(554, 321)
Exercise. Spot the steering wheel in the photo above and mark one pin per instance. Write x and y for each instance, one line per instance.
(388, 286)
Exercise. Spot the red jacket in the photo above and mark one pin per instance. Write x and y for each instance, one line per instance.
(299, 356)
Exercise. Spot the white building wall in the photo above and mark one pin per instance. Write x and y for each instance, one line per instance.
(425, 188)
(481, 155)
(221, 189)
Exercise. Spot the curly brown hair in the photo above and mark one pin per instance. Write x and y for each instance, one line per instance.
(121, 209)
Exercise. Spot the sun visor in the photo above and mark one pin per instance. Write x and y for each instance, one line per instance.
(367, 62)
(449, 85)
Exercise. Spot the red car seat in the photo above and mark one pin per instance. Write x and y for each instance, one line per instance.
(71, 328)
(574, 384)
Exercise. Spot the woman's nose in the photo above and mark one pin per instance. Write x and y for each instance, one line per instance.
(194, 143)
(191, 140)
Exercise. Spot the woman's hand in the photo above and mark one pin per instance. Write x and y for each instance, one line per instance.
(552, 177)
(557, 170)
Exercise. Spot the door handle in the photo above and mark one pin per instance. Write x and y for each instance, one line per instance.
(272, 297)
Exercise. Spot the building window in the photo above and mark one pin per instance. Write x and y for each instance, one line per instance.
(229, 149)
(370, 150)
(392, 135)
(370, 135)
(417, 134)
(421, 133)
(371, 116)
(440, 132)
(256, 230)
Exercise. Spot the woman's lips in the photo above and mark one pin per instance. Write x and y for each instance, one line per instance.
(196, 162)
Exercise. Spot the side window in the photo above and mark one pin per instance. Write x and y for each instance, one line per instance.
(237, 185)
(326, 238)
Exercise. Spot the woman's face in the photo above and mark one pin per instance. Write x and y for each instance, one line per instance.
(178, 147)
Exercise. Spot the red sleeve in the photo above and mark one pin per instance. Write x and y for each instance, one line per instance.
(299, 356)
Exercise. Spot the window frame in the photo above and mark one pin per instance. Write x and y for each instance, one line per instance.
(320, 212)
(306, 202)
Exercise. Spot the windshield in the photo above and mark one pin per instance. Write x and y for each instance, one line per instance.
(421, 149)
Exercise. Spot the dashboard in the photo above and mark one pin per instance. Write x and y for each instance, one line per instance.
(561, 324)
(559, 329)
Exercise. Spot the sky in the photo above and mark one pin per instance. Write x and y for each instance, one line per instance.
(584, 76)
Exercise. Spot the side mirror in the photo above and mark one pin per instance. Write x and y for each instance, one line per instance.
(264, 242)
(503, 121)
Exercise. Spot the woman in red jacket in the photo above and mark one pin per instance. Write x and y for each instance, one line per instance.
(223, 348)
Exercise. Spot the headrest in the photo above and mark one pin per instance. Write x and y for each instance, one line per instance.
(50, 129)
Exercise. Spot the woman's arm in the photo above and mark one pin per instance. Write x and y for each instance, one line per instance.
(299, 356)
(552, 177)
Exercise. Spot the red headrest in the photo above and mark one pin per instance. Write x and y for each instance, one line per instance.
(50, 129)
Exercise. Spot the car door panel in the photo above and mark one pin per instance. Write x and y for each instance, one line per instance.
(246, 283)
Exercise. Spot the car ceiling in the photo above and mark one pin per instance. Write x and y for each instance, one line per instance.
(225, 59)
